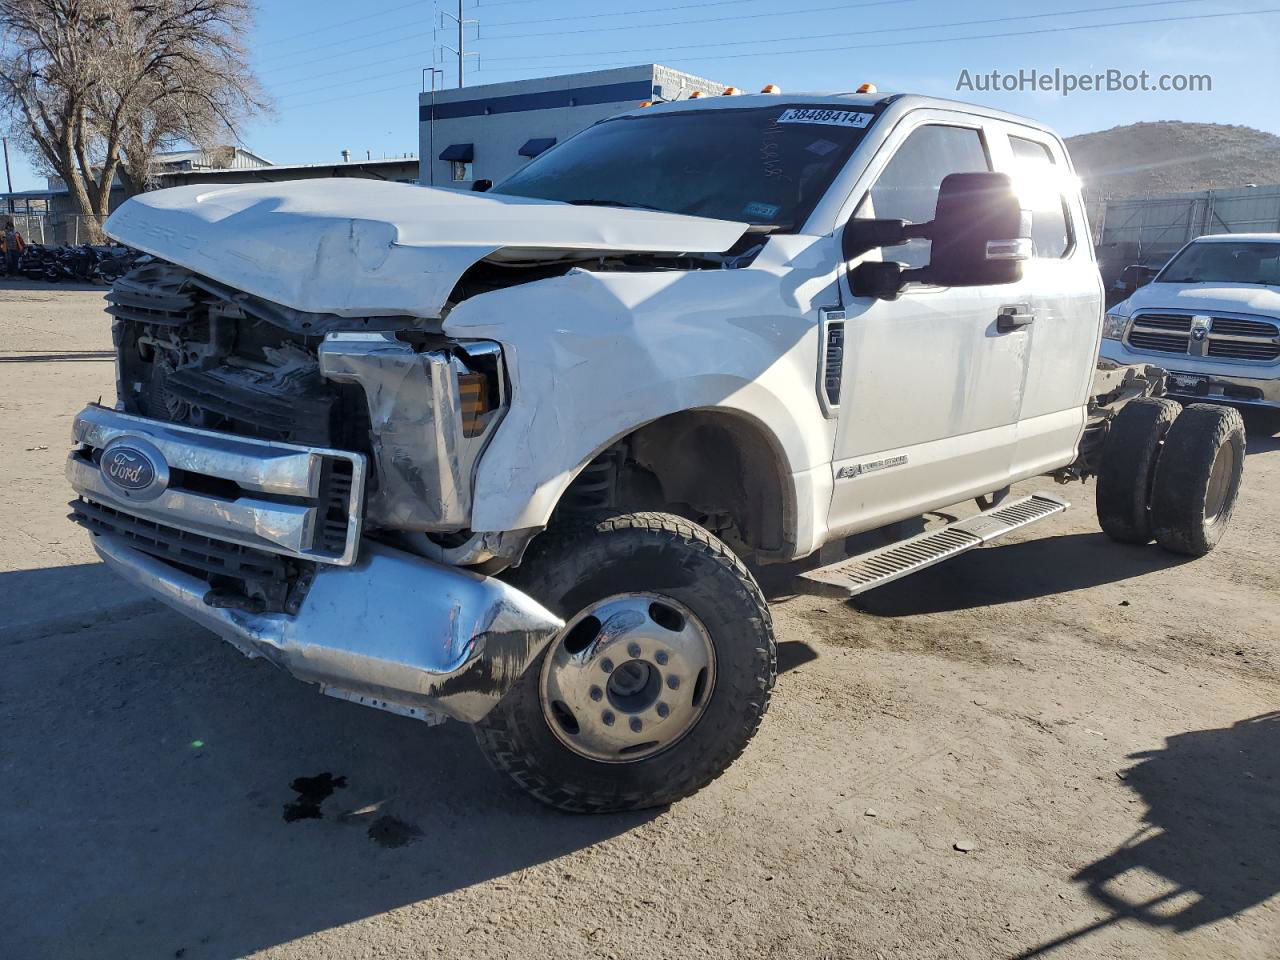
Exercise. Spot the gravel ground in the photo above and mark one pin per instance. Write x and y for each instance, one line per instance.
(1095, 727)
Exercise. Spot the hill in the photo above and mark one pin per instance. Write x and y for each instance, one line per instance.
(1174, 157)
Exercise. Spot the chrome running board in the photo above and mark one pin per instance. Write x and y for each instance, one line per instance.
(870, 570)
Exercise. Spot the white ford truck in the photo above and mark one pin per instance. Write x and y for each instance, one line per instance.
(510, 457)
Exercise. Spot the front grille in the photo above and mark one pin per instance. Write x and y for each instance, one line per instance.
(1243, 350)
(1235, 327)
(1164, 321)
(1228, 338)
(188, 550)
(1160, 342)
(335, 501)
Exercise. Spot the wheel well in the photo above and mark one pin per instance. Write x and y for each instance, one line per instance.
(721, 470)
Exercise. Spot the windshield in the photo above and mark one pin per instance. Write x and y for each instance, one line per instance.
(1225, 262)
(769, 165)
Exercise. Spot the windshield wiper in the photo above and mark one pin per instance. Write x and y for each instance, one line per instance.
(616, 203)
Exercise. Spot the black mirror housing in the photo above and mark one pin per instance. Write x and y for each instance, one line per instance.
(480, 186)
(980, 232)
(874, 278)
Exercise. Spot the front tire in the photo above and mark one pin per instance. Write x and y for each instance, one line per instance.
(658, 681)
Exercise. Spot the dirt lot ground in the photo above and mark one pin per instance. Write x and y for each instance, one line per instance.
(1098, 723)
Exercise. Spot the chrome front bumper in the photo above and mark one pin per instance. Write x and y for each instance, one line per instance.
(391, 631)
(1247, 384)
(364, 621)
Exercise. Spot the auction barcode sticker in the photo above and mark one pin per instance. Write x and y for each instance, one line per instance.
(824, 115)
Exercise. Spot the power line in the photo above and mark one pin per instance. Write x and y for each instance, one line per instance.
(372, 46)
(935, 40)
(680, 23)
(861, 32)
(687, 6)
(310, 51)
(880, 30)
(1145, 21)
(343, 23)
(646, 26)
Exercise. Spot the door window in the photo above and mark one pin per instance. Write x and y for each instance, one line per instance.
(1041, 183)
(907, 188)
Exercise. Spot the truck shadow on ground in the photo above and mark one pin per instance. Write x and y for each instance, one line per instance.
(1209, 848)
(167, 797)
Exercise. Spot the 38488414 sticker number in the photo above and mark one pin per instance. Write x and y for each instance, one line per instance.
(827, 116)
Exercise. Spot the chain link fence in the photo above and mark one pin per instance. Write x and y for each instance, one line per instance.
(52, 229)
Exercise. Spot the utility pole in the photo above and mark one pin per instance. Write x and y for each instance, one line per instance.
(8, 179)
(461, 49)
(431, 122)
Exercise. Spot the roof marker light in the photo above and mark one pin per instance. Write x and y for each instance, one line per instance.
(730, 92)
(867, 88)
(771, 88)
(647, 103)
(696, 95)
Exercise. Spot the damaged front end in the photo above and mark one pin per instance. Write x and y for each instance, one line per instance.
(264, 469)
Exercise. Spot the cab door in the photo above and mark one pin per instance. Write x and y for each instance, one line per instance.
(932, 385)
(1064, 300)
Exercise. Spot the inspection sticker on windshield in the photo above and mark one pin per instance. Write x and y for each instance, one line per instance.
(824, 115)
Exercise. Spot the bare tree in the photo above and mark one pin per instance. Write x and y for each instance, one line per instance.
(99, 85)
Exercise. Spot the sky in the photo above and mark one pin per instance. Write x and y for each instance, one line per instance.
(345, 75)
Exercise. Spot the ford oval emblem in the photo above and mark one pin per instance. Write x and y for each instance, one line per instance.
(134, 468)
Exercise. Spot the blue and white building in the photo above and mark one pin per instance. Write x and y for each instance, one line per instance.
(488, 131)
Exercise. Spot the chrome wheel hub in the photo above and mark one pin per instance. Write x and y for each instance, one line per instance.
(627, 677)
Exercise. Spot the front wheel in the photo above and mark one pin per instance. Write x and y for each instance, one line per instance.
(658, 681)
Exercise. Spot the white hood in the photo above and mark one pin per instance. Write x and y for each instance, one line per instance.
(1204, 298)
(371, 248)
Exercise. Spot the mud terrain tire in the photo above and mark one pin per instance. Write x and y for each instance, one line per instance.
(1128, 467)
(1198, 479)
(582, 563)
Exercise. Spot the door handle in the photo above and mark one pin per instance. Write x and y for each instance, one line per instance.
(1015, 316)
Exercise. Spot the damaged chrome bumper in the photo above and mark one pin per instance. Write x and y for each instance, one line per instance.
(391, 631)
(182, 512)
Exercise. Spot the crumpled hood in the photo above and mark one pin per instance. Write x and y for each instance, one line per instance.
(363, 248)
(1205, 298)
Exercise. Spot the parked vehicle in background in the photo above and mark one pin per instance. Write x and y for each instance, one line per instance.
(510, 457)
(1212, 318)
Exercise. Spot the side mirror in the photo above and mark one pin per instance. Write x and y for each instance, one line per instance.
(480, 186)
(981, 234)
(874, 278)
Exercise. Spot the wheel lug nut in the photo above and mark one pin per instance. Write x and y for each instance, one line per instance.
(635, 724)
(596, 693)
(663, 709)
(661, 657)
(673, 683)
(634, 650)
(607, 717)
(606, 665)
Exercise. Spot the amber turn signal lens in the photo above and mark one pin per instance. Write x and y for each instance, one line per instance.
(867, 88)
(696, 95)
(473, 391)
(771, 88)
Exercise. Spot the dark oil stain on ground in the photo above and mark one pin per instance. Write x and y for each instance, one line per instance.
(312, 791)
(393, 832)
